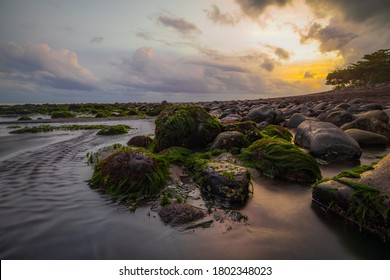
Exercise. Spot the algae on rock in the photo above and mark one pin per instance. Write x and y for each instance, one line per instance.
(281, 159)
(188, 126)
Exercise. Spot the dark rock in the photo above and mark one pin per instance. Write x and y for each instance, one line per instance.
(296, 120)
(180, 213)
(326, 141)
(339, 118)
(379, 114)
(140, 141)
(248, 128)
(229, 140)
(366, 138)
(225, 182)
(369, 124)
(263, 124)
(264, 113)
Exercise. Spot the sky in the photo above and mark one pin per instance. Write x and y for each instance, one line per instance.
(181, 51)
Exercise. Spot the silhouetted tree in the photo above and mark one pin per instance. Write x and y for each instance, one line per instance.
(374, 68)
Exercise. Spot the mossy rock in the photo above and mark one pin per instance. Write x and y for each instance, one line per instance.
(114, 130)
(130, 174)
(187, 126)
(248, 128)
(223, 182)
(281, 159)
(180, 213)
(140, 141)
(230, 140)
(62, 114)
(277, 131)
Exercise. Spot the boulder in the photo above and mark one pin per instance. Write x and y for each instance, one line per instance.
(379, 114)
(326, 141)
(229, 140)
(265, 113)
(369, 124)
(248, 128)
(180, 213)
(277, 131)
(225, 182)
(366, 138)
(296, 120)
(130, 174)
(339, 118)
(187, 126)
(140, 141)
(231, 118)
(281, 159)
(361, 195)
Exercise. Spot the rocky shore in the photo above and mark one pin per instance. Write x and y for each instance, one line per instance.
(216, 146)
(203, 156)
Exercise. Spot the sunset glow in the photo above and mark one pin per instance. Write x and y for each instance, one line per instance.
(73, 51)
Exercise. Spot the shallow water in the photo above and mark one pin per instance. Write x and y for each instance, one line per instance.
(47, 211)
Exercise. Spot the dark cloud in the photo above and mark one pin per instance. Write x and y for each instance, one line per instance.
(309, 75)
(179, 24)
(254, 8)
(282, 53)
(97, 40)
(268, 64)
(332, 37)
(39, 65)
(376, 11)
(217, 16)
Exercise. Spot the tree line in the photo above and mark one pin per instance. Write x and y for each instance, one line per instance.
(372, 69)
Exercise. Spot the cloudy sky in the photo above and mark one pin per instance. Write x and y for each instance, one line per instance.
(149, 50)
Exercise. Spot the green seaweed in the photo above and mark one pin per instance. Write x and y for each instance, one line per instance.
(279, 158)
(114, 130)
(50, 128)
(188, 126)
(276, 131)
(116, 177)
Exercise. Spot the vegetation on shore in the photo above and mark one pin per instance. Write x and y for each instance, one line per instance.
(49, 128)
(372, 69)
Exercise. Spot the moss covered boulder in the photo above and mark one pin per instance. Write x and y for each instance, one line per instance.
(277, 131)
(62, 114)
(230, 140)
(143, 141)
(248, 128)
(187, 126)
(281, 159)
(224, 182)
(130, 174)
(361, 195)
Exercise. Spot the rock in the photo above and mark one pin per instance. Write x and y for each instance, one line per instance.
(296, 120)
(187, 126)
(24, 118)
(363, 200)
(339, 118)
(248, 128)
(180, 213)
(320, 106)
(366, 138)
(379, 177)
(130, 174)
(369, 124)
(371, 106)
(231, 118)
(140, 141)
(326, 141)
(264, 113)
(281, 159)
(263, 124)
(277, 131)
(229, 140)
(379, 114)
(225, 182)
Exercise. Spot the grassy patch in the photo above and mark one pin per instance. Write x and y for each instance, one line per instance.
(114, 130)
(276, 131)
(50, 128)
